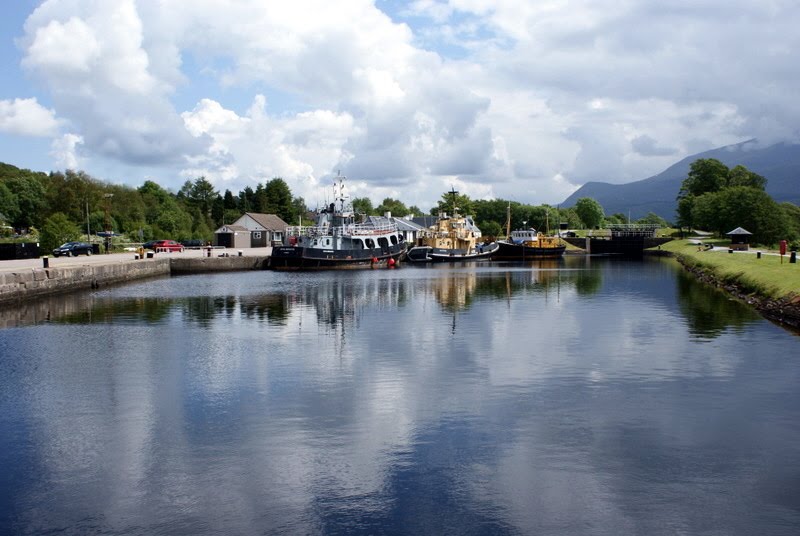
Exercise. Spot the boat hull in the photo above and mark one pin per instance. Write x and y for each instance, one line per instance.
(303, 258)
(431, 254)
(507, 251)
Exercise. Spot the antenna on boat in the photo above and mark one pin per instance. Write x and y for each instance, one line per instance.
(454, 193)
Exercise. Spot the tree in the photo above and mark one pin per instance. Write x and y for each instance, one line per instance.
(490, 210)
(684, 211)
(72, 191)
(56, 230)
(705, 175)
(247, 199)
(792, 217)
(653, 219)
(201, 195)
(9, 206)
(590, 212)
(570, 217)
(452, 202)
(741, 206)
(490, 228)
(278, 199)
(229, 202)
(741, 176)
(396, 207)
(30, 192)
(299, 209)
(363, 205)
(708, 176)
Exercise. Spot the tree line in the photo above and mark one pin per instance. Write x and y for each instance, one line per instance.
(73, 203)
(66, 205)
(716, 198)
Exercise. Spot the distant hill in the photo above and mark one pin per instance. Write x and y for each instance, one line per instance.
(779, 163)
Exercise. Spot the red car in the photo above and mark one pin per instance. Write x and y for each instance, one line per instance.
(166, 245)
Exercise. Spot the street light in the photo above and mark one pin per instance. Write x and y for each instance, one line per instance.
(108, 220)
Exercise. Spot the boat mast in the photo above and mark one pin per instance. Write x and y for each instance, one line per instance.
(508, 221)
(454, 193)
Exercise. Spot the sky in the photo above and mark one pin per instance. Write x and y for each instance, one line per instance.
(513, 99)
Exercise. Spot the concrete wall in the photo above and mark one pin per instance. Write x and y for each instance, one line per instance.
(194, 265)
(16, 287)
(36, 282)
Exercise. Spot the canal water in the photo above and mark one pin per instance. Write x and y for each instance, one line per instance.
(581, 396)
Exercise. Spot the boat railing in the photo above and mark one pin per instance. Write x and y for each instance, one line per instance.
(352, 229)
(358, 229)
(311, 230)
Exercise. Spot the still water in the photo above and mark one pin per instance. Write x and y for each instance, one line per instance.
(582, 396)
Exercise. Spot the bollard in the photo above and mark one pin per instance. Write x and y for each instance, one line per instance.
(46, 262)
(730, 251)
(209, 251)
(758, 255)
(240, 252)
(793, 257)
(149, 254)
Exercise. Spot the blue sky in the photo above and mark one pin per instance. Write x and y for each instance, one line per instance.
(504, 98)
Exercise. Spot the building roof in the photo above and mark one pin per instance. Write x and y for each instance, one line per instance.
(407, 225)
(268, 221)
(425, 221)
(739, 231)
(232, 228)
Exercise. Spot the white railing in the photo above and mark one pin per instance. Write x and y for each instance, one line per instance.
(354, 229)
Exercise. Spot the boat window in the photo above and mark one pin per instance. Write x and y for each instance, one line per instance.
(393, 238)
(358, 243)
(383, 242)
(370, 243)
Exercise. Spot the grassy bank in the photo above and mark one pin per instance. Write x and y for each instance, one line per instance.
(765, 276)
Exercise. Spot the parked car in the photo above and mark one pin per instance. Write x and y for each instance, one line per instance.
(166, 245)
(73, 249)
(149, 245)
(196, 243)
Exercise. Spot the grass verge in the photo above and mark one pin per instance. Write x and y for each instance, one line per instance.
(766, 276)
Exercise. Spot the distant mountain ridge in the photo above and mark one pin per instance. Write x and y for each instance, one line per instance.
(779, 163)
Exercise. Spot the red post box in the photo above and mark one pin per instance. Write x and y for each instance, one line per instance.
(783, 247)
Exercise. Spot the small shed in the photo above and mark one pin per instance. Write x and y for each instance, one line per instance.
(740, 239)
(252, 230)
(232, 236)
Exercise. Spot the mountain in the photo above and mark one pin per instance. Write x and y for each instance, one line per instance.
(779, 163)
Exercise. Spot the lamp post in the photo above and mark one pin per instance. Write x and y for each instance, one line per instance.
(108, 220)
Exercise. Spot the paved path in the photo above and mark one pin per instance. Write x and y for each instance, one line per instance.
(111, 258)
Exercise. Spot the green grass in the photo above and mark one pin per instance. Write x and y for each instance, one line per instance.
(765, 276)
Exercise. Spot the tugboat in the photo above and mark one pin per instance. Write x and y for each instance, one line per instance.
(337, 241)
(451, 239)
(527, 244)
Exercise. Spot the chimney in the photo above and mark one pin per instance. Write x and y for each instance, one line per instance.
(387, 215)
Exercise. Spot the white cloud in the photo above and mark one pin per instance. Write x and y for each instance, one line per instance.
(519, 100)
(91, 57)
(26, 117)
(258, 147)
(64, 151)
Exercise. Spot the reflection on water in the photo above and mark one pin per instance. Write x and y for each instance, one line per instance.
(701, 303)
(582, 396)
